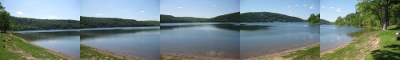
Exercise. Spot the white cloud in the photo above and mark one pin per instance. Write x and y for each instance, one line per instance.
(20, 13)
(311, 7)
(296, 5)
(323, 6)
(179, 7)
(339, 10)
(99, 14)
(141, 11)
(304, 5)
(52, 17)
(332, 7)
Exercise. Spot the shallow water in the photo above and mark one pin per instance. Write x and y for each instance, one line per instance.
(266, 38)
(64, 41)
(139, 42)
(333, 36)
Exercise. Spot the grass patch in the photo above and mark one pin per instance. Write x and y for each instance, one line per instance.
(308, 54)
(17, 48)
(389, 47)
(89, 53)
(5, 54)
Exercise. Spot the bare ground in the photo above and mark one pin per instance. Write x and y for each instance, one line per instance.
(120, 56)
(185, 57)
(278, 56)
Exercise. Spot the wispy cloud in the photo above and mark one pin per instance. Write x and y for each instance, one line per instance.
(52, 17)
(332, 7)
(339, 10)
(311, 7)
(20, 13)
(141, 11)
(99, 14)
(323, 6)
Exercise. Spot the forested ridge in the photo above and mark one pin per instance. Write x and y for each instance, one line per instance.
(99, 22)
(22, 23)
(230, 17)
(267, 17)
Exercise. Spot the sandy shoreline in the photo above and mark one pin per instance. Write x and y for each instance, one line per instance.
(278, 55)
(48, 50)
(121, 56)
(337, 48)
(167, 56)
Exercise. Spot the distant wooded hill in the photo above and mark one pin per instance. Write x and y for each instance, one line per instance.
(267, 17)
(21, 23)
(323, 21)
(231, 17)
(98, 22)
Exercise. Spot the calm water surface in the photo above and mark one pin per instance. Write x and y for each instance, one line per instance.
(333, 36)
(219, 40)
(64, 41)
(139, 42)
(266, 38)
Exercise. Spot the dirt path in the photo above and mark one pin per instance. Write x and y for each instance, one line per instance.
(182, 57)
(371, 43)
(121, 56)
(278, 56)
(28, 56)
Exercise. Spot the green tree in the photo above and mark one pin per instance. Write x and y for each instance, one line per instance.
(380, 8)
(313, 19)
(5, 20)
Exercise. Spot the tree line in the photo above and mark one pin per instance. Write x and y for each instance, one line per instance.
(231, 17)
(99, 22)
(373, 13)
(267, 17)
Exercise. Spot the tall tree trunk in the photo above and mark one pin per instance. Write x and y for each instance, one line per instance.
(385, 18)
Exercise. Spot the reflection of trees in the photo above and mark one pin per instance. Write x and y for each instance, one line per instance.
(46, 35)
(232, 27)
(179, 26)
(358, 33)
(99, 33)
(253, 27)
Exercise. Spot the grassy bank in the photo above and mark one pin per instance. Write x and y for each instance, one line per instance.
(311, 53)
(89, 53)
(13, 48)
(376, 45)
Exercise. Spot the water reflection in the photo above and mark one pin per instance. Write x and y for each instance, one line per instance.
(66, 41)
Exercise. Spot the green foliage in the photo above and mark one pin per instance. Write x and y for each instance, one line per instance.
(311, 53)
(267, 17)
(43, 24)
(89, 53)
(231, 17)
(5, 21)
(314, 19)
(97, 22)
(385, 11)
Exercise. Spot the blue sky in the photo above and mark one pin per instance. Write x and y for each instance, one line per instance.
(335, 8)
(199, 8)
(43, 9)
(127, 9)
(298, 8)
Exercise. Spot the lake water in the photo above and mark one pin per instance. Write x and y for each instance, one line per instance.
(220, 40)
(64, 41)
(139, 42)
(333, 36)
(258, 39)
